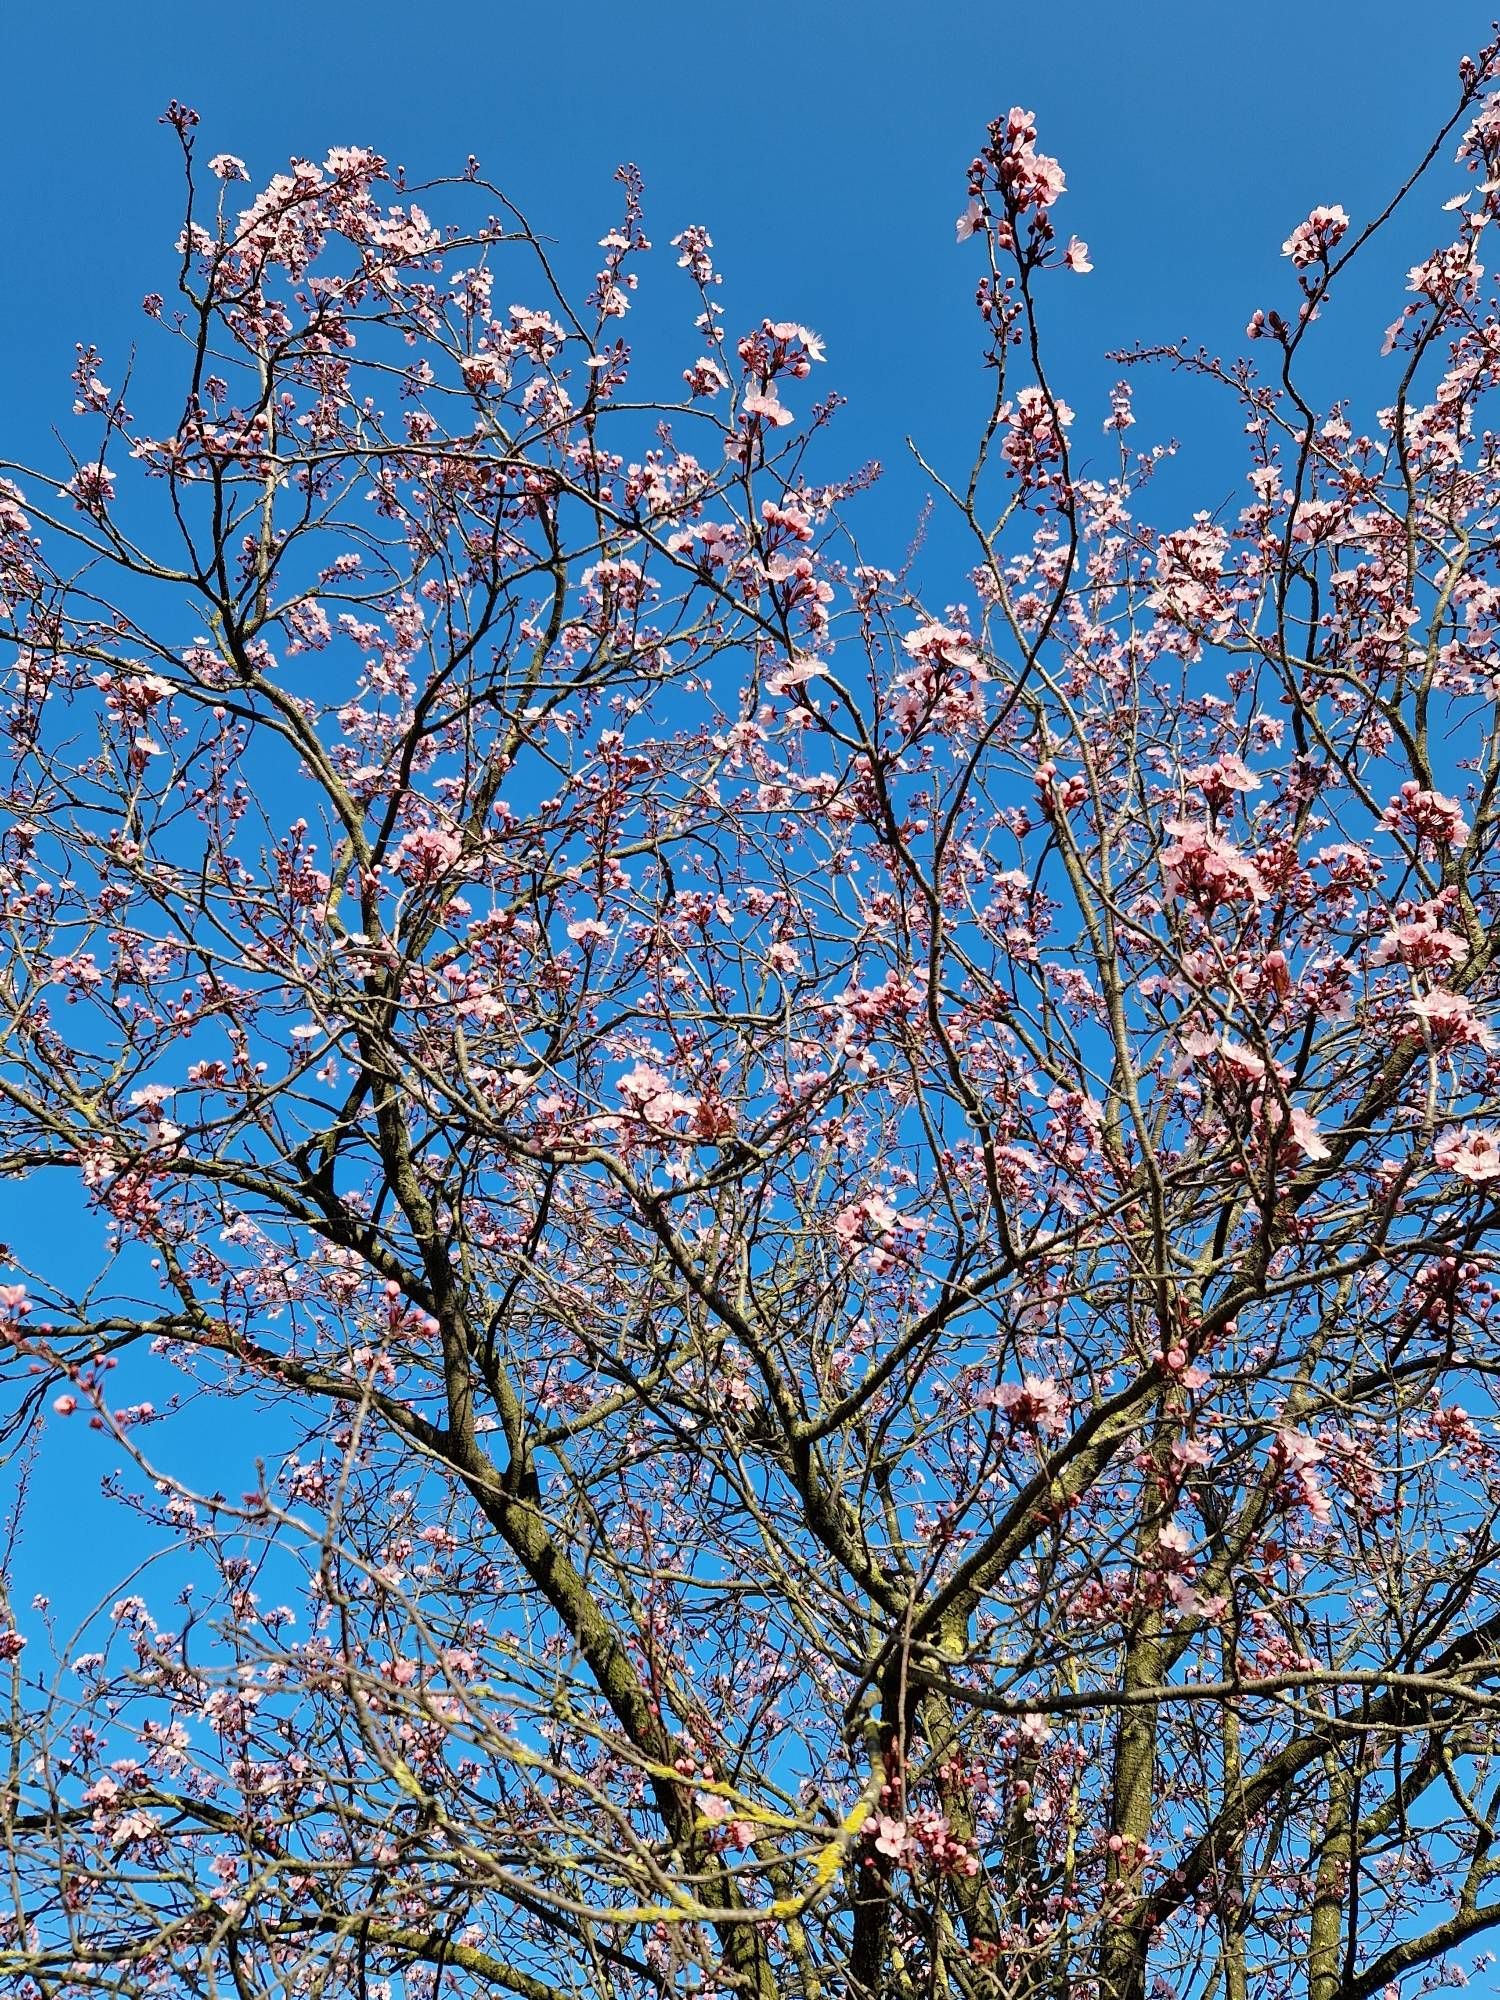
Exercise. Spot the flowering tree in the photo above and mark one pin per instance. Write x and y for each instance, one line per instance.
(856, 1239)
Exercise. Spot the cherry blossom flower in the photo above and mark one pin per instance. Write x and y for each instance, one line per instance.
(972, 221)
(135, 1825)
(1452, 1020)
(484, 370)
(1201, 867)
(795, 674)
(1034, 438)
(1173, 1541)
(92, 488)
(765, 404)
(1311, 241)
(1121, 408)
(1420, 942)
(1472, 1154)
(694, 246)
(705, 377)
(1221, 780)
(870, 1216)
(654, 1097)
(1431, 816)
(1306, 1135)
(427, 854)
(789, 331)
(942, 642)
(1026, 178)
(1034, 1403)
(1298, 1457)
(1276, 974)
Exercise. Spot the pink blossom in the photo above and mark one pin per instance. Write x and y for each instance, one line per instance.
(1421, 942)
(795, 674)
(1306, 1135)
(484, 370)
(1451, 273)
(1190, 566)
(535, 333)
(1025, 177)
(353, 163)
(654, 1096)
(228, 167)
(1174, 1541)
(1036, 427)
(1205, 869)
(1311, 241)
(1076, 256)
(1230, 1059)
(872, 1215)
(92, 488)
(427, 854)
(694, 245)
(1191, 1603)
(1472, 1153)
(1276, 974)
(1298, 1456)
(133, 1826)
(1059, 798)
(705, 377)
(1121, 412)
(942, 643)
(1035, 1403)
(790, 521)
(790, 331)
(971, 222)
(1046, 180)
(1451, 1019)
(1431, 816)
(1220, 780)
(765, 403)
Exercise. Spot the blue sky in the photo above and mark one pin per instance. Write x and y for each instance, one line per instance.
(825, 147)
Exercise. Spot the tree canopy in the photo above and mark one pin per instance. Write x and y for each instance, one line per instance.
(857, 1215)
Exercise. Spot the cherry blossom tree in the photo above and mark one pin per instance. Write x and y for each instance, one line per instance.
(852, 1236)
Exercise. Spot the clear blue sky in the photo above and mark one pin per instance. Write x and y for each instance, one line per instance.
(824, 145)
